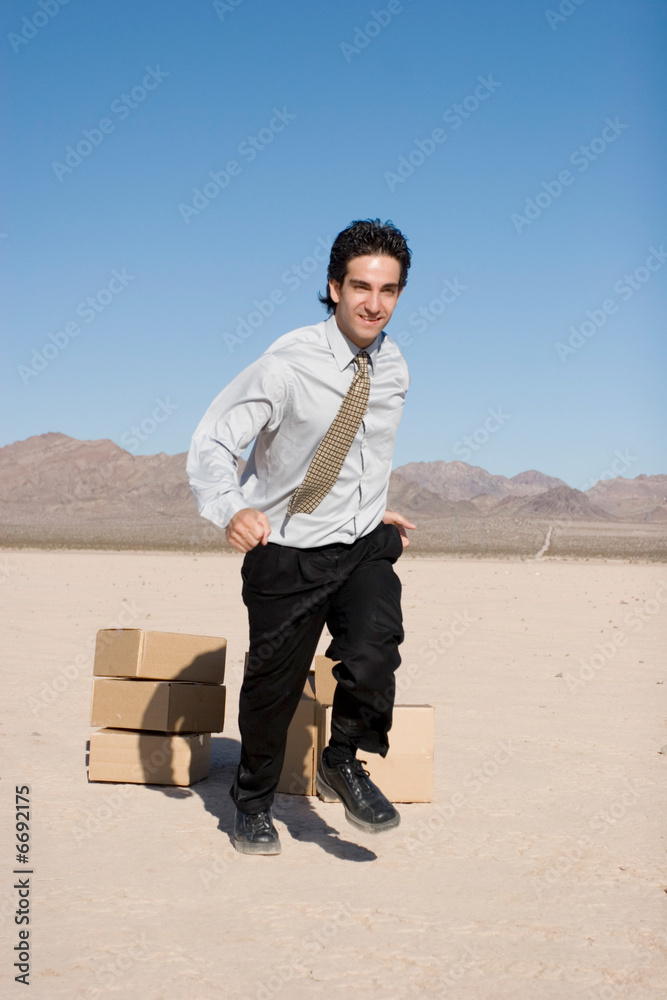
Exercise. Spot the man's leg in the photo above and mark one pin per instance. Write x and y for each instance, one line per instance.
(286, 591)
(366, 624)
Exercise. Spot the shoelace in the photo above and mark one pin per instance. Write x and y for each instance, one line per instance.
(259, 820)
(357, 767)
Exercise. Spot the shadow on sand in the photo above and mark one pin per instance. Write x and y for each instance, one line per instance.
(297, 812)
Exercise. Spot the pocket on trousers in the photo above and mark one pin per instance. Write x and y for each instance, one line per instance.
(256, 563)
(394, 542)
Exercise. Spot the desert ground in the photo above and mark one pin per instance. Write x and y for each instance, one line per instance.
(538, 871)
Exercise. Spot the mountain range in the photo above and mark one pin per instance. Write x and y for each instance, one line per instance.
(52, 478)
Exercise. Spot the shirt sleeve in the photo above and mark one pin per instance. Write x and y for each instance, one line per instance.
(254, 400)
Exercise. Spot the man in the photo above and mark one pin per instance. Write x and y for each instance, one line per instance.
(322, 404)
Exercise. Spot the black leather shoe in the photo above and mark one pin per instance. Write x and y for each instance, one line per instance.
(365, 805)
(254, 833)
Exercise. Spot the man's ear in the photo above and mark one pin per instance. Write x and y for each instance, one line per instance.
(334, 290)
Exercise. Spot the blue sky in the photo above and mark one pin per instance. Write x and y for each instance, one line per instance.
(530, 141)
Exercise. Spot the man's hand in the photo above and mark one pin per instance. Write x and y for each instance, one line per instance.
(391, 517)
(247, 529)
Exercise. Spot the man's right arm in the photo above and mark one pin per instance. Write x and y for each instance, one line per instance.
(255, 399)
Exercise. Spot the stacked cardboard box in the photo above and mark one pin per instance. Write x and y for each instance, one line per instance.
(158, 696)
(404, 775)
(149, 758)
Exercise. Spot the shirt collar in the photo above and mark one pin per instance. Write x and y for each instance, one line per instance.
(344, 351)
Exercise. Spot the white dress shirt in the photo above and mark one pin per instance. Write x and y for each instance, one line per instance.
(286, 401)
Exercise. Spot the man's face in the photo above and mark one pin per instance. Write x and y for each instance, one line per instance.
(367, 297)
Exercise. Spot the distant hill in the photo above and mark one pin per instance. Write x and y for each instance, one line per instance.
(643, 498)
(537, 480)
(561, 503)
(408, 494)
(564, 503)
(52, 475)
(460, 481)
(640, 486)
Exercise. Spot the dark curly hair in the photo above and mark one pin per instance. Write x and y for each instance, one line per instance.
(365, 236)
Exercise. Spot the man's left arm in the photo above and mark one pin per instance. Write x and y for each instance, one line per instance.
(391, 516)
(402, 523)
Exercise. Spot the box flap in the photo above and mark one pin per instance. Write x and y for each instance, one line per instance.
(117, 652)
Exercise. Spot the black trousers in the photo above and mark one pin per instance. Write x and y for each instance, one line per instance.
(291, 594)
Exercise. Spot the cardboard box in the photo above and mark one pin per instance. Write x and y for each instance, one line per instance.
(164, 706)
(325, 682)
(148, 758)
(167, 656)
(406, 773)
(298, 774)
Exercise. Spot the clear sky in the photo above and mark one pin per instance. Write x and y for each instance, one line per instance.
(520, 146)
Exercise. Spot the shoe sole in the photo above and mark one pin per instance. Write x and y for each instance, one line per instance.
(245, 847)
(327, 794)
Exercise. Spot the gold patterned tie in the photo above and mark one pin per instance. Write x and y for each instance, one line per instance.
(325, 467)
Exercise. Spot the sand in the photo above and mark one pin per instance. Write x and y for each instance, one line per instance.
(537, 872)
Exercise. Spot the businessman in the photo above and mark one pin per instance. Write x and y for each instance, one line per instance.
(322, 405)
